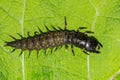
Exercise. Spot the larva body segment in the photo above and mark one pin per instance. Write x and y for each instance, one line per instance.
(57, 38)
(44, 41)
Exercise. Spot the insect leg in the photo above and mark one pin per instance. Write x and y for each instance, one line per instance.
(100, 44)
(80, 28)
(96, 51)
(65, 27)
(72, 50)
(86, 52)
(89, 32)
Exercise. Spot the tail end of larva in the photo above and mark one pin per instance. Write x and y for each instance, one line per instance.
(11, 44)
(7, 44)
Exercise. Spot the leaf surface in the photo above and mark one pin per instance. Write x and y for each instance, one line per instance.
(20, 16)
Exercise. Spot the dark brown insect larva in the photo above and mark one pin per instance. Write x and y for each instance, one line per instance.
(57, 38)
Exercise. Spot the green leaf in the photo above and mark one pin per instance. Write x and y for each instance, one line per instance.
(20, 16)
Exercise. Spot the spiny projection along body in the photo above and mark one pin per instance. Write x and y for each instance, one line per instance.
(57, 38)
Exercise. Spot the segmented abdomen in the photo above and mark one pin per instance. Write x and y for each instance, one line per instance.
(39, 41)
(46, 40)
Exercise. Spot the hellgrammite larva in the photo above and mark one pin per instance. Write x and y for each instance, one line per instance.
(56, 38)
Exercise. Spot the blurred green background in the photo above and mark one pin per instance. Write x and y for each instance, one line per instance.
(21, 16)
